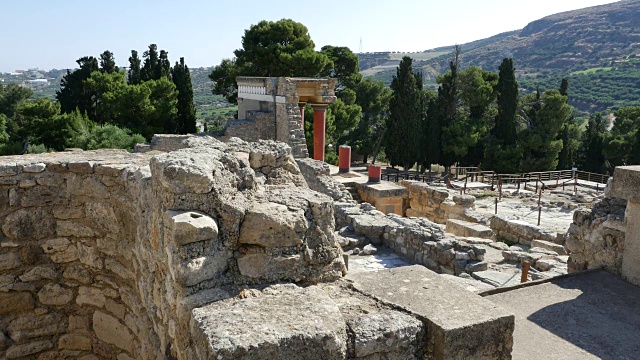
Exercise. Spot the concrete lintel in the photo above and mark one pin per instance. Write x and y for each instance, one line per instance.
(268, 98)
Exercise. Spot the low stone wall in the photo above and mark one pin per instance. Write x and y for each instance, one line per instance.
(521, 232)
(106, 253)
(423, 200)
(418, 239)
(596, 238)
(317, 175)
(163, 142)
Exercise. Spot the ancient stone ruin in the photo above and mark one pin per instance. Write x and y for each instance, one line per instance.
(216, 250)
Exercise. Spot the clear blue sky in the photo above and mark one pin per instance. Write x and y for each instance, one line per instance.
(53, 34)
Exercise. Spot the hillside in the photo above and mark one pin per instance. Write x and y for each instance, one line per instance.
(597, 48)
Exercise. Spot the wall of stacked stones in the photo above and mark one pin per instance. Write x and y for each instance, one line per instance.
(105, 254)
(418, 239)
(596, 237)
(422, 200)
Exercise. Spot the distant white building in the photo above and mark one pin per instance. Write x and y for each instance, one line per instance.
(37, 82)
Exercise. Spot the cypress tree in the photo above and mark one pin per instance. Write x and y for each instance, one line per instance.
(164, 65)
(592, 158)
(404, 116)
(186, 117)
(507, 90)
(151, 64)
(133, 75)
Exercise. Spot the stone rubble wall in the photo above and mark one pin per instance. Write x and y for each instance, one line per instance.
(521, 232)
(418, 239)
(596, 238)
(258, 125)
(432, 203)
(317, 175)
(106, 253)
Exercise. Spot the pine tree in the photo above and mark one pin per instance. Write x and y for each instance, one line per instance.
(186, 117)
(133, 75)
(108, 63)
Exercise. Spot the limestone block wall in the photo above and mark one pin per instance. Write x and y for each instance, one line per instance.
(422, 200)
(596, 238)
(105, 254)
(258, 125)
(418, 239)
(521, 232)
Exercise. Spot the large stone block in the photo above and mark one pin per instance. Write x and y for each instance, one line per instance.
(190, 226)
(112, 331)
(14, 302)
(54, 294)
(460, 325)
(273, 225)
(282, 322)
(22, 350)
(33, 325)
(29, 224)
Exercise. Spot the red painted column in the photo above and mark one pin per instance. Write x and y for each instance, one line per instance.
(319, 122)
(344, 158)
(375, 173)
(301, 106)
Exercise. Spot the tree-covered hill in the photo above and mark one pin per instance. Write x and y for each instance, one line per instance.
(596, 48)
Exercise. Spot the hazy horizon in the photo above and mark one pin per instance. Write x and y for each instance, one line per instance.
(204, 32)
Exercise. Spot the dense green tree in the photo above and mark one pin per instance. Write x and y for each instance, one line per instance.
(164, 65)
(186, 112)
(224, 80)
(591, 156)
(108, 136)
(280, 48)
(134, 72)
(405, 115)
(343, 66)
(72, 94)
(478, 99)
(564, 87)
(621, 142)
(108, 62)
(11, 96)
(539, 141)
(373, 97)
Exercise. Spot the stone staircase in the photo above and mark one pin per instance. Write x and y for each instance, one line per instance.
(353, 190)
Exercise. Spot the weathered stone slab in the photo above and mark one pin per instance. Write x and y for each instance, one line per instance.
(282, 322)
(472, 285)
(496, 278)
(21, 350)
(460, 325)
(465, 228)
(549, 246)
